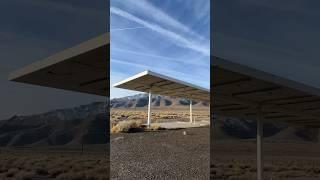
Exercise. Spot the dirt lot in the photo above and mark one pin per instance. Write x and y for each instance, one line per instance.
(167, 154)
(163, 154)
(237, 160)
(54, 163)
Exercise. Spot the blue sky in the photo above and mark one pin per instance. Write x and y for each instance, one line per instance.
(168, 37)
(280, 37)
(32, 30)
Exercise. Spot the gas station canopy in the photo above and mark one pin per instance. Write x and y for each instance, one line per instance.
(82, 68)
(147, 81)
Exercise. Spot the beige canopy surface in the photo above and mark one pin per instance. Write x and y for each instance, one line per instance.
(82, 68)
(240, 91)
(147, 81)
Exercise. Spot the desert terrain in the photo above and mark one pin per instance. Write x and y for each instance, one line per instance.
(237, 160)
(55, 162)
(48, 145)
(289, 152)
(61, 144)
(160, 154)
(159, 114)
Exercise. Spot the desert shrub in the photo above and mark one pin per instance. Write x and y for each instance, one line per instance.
(268, 168)
(72, 176)
(291, 174)
(126, 126)
(41, 172)
(12, 172)
(3, 170)
(98, 174)
(154, 127)
(24, 176)
(55, 172)
(244, 177)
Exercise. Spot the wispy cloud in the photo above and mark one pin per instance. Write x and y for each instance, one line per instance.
(175, 37)
(131, 64)
(157, 15)
(200, 78)
(123, 29)
(156, 36)
(163, 58)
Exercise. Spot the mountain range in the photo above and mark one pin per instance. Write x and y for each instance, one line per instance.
(233, 129)
(142, 100)
(87, 124)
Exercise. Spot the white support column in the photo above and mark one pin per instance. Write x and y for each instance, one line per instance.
(260, 145)
(149, 108)
(190, 110)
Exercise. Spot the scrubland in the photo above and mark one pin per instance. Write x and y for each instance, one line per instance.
(54, 163)
(282, 161)
(122, 120)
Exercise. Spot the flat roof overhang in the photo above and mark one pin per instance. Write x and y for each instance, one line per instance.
(82, 68)
(240, 91)
(147, 81)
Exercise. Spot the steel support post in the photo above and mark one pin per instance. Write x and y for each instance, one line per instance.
(149, 108)
(260, 145)
(191, 111)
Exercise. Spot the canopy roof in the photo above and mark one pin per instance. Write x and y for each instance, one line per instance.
(164, 85)
(240, 91)
(83, 68)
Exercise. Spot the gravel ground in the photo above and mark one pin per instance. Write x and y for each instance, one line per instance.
(167, 154)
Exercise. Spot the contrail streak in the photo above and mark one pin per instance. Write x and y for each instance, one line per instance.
(130, 28)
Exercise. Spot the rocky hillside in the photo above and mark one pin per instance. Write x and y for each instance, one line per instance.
(141, 100)
(232, 128)
(84, 124)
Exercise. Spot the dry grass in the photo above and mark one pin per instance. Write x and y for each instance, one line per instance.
(133, 126)
(235, 160)
(158, 114)
(126, 126)
(240, 169)
(154, 127)
(23, 165)
(124, 119)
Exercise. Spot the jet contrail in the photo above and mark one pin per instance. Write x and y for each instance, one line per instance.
(122, 29)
